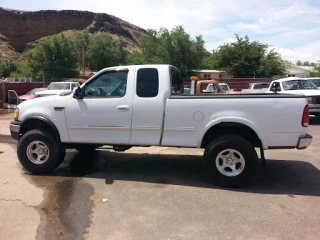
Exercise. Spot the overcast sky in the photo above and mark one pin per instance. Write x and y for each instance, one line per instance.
(291, 26)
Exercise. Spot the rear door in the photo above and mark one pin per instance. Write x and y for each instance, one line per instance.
(148, 107)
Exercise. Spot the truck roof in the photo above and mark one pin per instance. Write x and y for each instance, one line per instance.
(290, 79)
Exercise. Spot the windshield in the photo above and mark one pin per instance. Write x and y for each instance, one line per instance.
(299, 85)
(224, 87)
(59, 86)
(316, 82)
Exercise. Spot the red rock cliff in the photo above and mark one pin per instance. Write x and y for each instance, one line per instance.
(20, 28)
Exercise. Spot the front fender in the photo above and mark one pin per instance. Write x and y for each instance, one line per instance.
(42, 119)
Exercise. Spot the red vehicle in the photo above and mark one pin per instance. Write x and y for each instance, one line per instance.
(30, 95)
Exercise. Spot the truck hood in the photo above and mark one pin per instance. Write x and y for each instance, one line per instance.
(41, 105)
(51, 92)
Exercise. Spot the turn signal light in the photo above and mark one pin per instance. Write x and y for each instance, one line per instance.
(16, 114)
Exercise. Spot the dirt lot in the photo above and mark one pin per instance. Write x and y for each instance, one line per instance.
(158, 193)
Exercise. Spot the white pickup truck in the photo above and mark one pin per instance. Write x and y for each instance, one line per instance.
(295, 85)
(144, 105)
(57, 88)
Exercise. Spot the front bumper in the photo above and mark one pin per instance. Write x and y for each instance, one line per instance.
(15, 129)
(304, 141)
(314, 108)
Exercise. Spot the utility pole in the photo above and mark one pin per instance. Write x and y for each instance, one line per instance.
(83, 65)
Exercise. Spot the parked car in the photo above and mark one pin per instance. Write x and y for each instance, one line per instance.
(258, 85)
(150, 113)
(57, 88)
(294, 85)
(257, 88)
(212, 87)
(315, 80)
(224, 87)
(187, 91)
(30, 95)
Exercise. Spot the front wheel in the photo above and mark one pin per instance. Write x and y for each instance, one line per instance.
(39, 152)
(230, 161)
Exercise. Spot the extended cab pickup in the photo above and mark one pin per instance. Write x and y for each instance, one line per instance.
(294, 85)
(144, 105)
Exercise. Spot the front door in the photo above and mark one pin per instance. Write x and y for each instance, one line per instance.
(104, 114)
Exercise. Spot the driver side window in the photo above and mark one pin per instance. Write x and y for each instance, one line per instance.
(108, 84)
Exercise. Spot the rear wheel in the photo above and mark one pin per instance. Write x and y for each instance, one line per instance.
(38, 152)
(230, 161)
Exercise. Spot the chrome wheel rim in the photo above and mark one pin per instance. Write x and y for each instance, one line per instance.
(38, 152)
(230, 162)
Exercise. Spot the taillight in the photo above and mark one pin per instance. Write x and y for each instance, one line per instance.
(305, 116)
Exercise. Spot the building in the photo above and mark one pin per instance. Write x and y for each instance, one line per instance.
(298, 71)
(212, 74)
(309, 68)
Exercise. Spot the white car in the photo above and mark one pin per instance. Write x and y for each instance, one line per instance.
(257, 88)
(129, 106)
(295, 85)
(57, 88)
(225, 87)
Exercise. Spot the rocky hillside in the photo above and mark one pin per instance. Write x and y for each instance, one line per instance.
(20, 29)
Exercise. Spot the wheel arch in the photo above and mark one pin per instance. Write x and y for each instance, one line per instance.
(39, 122)
(240, 127)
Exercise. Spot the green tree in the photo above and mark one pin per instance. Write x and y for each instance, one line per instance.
(173, 47)
(306, 63)
(82, 40)
(315, 74)
(105, 51)
(245, 58)
(7, 67)
(53, 57)
(270, 66)
(299, 63)
(1, 68)
(136, 58)
(210, 62)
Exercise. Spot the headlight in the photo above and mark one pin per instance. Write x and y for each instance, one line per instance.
(16, 114)
(309, 100)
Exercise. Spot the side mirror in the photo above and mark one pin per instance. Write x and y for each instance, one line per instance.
(78, 93)
(275, 87)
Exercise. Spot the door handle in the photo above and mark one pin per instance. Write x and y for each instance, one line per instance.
(123, 107)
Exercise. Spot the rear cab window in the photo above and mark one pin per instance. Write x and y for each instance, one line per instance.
(147, 83)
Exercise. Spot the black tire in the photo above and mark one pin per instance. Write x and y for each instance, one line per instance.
(56, 153)
(87, 147)
(244, 171)
(62, 155)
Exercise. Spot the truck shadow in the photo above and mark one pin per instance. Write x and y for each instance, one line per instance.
(289, 177)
